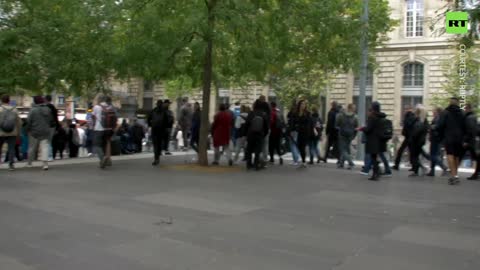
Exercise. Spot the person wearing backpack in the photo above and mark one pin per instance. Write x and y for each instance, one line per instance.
(256, 127)
(347, 123)
(38, 128)
(221, 129)
(469, 140)
(105, 125)
(417, 140)
(73, 138)
(375, 142)
(276, 130)
(10, 127)
(196, 123)
(241, 130)
(316, 136)
(157, 120)
(303, 122)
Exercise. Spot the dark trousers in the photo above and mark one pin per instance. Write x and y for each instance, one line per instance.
(376, 168)
(402, 148)
(254, 147)
(274, 146)
(11, 142)
(58, 147)
(415, 151)
(73, 150)
(302, 146)
(166, 140)
(158, 144)
(435, 158)
(474, 157)
(138, 145)
(332, 143)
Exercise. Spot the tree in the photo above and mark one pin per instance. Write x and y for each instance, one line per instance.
(463, 73)
(56, 45)
(242, 40)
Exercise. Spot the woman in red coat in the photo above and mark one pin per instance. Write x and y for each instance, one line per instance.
(221, 128)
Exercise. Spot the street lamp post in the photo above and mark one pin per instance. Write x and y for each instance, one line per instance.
(363, 79)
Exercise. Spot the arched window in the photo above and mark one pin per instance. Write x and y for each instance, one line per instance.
(413, 85)
(414, 18)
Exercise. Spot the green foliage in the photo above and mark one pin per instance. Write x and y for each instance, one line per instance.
(454, 70)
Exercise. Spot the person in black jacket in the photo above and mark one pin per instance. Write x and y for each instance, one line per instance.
(374, 143)
(408, 120)
(169, 126)
(196, 121)
(469, 139)
(304, 126)
(256, 126)
(332, 132)
(417, 139)
(59, 141)
(452, 127)
(138, 133)
(435, 144)
(158, 121)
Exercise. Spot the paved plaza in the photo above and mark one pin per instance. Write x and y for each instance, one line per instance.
(179, 216)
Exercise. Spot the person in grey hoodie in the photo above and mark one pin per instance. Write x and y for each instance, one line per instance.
(347, 124)
(38, 128)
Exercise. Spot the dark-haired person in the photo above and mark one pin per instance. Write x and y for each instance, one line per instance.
(332, 132)
(256, 127)
(38, 127)
(103, 134)
(59, 142)
(53, 126)
(196, 123)
(374, 143)
(221, 128)
(315, 137)
(471, 131)
(452, 127)
(169, 126)
(417, 139)
(157, 120)
(276, 131)
(9, 136)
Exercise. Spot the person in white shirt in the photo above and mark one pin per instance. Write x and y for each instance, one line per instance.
(104, 114)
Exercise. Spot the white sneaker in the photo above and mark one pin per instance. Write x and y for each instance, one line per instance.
(50, 160)
(294, 163)
(45, 168)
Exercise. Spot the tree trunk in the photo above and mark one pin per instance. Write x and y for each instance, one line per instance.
(207, 86)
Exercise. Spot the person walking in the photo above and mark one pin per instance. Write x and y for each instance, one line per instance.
(315, 137)
(305, 129)
(293, 133)
(10, 128)
(375, 144)
(417, 139)
(74, 140)
(256, 125)
(435, 144)
(276, 130)
(408, 119)
(332, 132)
(241, 131)
(265, 107)
(105, 122)
(452, 127)
(185, 120)
(471, 131)
(221, 128)
(53, 126)
(59, 141)
(158, 122)
(39, 129)
(196, 123)
(169, 127)
(347, 124)
(138, 134)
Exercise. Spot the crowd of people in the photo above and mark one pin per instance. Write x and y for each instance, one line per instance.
(261, 132)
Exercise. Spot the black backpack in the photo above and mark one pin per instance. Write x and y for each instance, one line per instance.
(256, 125)
(242, 131)
(8, 120)
(158, 118)
(386, 129)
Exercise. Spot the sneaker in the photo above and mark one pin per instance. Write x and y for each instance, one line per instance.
(374, 178)
(413, 175)
(155, 162)
(311, 162)
(168, 153)
(108, 162)
(396, 168)
(302, 166)
(350, 167)
(388, 174)
(101, 164)
(294, 163)
(45, 167)
(50, 159)
(453, 181)
(364, 173)
(11, 167)
(445, 172)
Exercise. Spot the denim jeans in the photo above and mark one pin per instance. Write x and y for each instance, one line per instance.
(344, 145)
(313, 147)
(435, 158)
(293, 146)
(368, 163)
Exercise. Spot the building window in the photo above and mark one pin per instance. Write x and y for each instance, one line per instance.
(148, 104)
(61, 100)
(147, 86)
(414, 18)
(413, 75)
